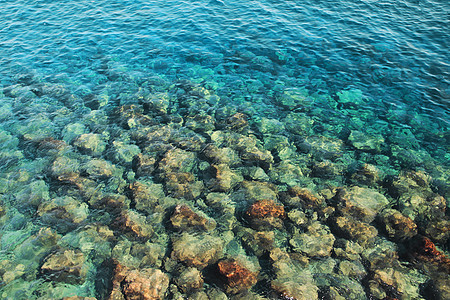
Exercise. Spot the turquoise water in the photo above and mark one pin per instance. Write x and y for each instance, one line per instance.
(114, 112)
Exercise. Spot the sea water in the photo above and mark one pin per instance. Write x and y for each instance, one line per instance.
(307, 94)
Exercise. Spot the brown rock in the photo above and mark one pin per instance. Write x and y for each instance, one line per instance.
(238, 278)
(397, 226)
(66, 266)
(355, 230)
(185, 219)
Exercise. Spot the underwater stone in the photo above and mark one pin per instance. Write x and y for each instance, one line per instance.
(317, 241)
(303, 197)
(177, 160)
(352, 269)
(223, 155)
(34, 193)
(225, 178)
(292, 281)
(238, 277)
(183, 185)
(91, 143)
(145, 284)
(361, 203)
(259, 242)
(352, 229)
(144, 165)
(146, 195)
(157, 102)
(237, 122)
(270, 126)
(190, 280)
(439, 230)
(197, 250)
(135, 223)
(286, 172)
(64, 165)
(366, 142)
(396, 225)
(298, 123)
(67, 266)
(185, 218)
(99, 168)
(292, 98)
(251, 191)
(265, 214)
(124, 153)
(326, 169)
(367, 174)
(64, 213)
(110, 202)
(72, 131)
(200, 123)
(322, 147)
(346, 249)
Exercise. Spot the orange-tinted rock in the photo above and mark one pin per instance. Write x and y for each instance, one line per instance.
(185, 218)
(425, 250)
(144, 284)
(265, 213)
(396, 225)
(265, 208)
(238, 278)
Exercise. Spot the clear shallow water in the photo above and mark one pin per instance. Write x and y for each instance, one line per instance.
(67, 62)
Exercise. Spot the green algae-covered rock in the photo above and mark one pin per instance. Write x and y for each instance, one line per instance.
(366, 142)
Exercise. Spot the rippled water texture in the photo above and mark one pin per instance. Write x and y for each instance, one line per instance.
(224, 149)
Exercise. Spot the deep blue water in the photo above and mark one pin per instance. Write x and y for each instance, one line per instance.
(392, 56)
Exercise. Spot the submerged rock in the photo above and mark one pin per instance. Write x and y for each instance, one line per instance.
(317, 241)
(145, 284)
(361, 203)
(197, 250)
(91, 143)
(396, 225)
(67, 266)
(186, 219)
(190, 280)
(238, 277)
(265, 214)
